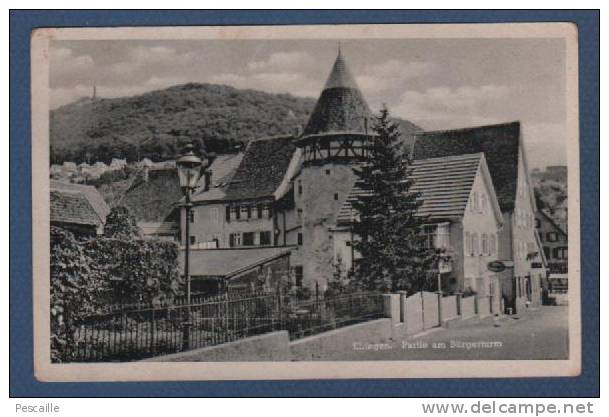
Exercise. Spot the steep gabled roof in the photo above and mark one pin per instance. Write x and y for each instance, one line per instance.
(445, 185)
(72, 207)
(262, 169)
(500, 144)
(96, 200)
(341, 107)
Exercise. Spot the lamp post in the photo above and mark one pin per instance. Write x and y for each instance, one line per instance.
(189, 170)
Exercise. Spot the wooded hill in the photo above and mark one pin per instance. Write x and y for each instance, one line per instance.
(155, 125)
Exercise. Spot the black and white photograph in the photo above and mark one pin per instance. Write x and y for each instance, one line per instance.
(306, 202)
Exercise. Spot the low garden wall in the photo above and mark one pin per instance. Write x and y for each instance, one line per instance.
(450, 309)
(468, 307)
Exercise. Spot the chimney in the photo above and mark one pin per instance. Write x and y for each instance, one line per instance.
(208, 177)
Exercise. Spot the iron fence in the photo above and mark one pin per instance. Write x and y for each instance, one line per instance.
(145, 331)
(306, 318)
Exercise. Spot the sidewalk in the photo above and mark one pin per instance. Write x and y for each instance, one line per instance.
(541, 334)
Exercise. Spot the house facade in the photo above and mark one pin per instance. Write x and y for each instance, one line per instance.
(506, 158)
(462, 217)
(555, 244)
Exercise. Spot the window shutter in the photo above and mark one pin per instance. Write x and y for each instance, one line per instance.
(231, 240)
(228, 213)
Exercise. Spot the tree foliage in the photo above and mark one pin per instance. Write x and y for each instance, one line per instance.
(391, 245)
(75, 291)
(121, 224)
(136, 271)
(87, 275)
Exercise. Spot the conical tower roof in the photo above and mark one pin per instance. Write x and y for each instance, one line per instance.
(341, 106)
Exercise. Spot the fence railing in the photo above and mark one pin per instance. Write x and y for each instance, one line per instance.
(144, 331)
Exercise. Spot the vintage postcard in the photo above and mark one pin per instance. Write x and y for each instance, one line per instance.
(306, 202)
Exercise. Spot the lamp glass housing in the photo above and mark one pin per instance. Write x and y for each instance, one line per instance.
(189, 169)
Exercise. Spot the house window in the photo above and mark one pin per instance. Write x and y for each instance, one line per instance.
(327, 172)
(298, 275)
(552, 236)
(494, 246)
(299, 239)
(442, 235)
(234, 240)
(299, 187)
(482, 203)
(546, 251)
(246, 212)
(475, 245)
(537, 224)
(191, 216)
(468, 244)
(234, 213)
(248, 239)
(560, 253)
(299, 214)
(266, 212)
(347, 243)
(193, 240)
(265, 238)
(227, 213)
(429, 232)
(474, 202)
(336, 196)
(259, 210)
(485, 250)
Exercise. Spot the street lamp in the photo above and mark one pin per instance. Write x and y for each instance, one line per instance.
(189, 170)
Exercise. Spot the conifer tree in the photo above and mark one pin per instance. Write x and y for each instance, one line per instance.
(393, 256)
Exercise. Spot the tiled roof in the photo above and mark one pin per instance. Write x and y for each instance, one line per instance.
(230, 262)
(444, 183)
(499, 143)
(223, 168)
(341, 106)
(74, 208)
(95, 198)
(262, 169)
(155, 199)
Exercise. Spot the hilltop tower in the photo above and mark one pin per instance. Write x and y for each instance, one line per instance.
(333, 140)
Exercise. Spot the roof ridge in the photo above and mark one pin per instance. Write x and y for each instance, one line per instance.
(465, 129)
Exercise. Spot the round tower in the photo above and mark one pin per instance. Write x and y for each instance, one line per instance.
(333, 141)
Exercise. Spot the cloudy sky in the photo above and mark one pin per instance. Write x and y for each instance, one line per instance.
(437, 84)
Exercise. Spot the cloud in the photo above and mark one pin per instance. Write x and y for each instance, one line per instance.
(161, 59)
(446, 107)
(65, 66)
(392, 74)
(283, 61)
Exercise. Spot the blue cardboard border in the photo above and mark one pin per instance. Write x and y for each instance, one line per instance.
(22, 381)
